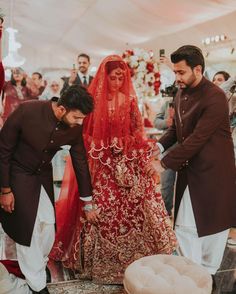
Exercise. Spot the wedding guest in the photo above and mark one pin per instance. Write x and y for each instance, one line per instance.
(81, 75)
(53, 89)
(132, 221)
(17, 90)
(30, 137)
(164, 119)
(220, 77)
(205, 202)
(38, 82)
(227, 84)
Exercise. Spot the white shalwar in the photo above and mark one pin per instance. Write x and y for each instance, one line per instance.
(10, 284)
(33, 260)
(206, 251)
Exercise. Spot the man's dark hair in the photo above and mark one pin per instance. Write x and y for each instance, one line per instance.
(39, 74)
(84, 55)
(223, 73)
(76, 97)
(191, 54)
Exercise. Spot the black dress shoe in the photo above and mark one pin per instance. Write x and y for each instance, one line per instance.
(48, 276)
(43, 291)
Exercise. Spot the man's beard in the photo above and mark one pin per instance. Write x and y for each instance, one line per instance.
(83, 70)
(189, 82)
(66, 122)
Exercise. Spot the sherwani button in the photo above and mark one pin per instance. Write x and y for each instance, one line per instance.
(183, 111)
(51, 141)
(185, 98)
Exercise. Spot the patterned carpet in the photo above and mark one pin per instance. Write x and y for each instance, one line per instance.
(82, 287)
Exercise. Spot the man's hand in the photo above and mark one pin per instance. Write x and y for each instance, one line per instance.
(92, 216)
(152, 172)
(73, 75)
(154, 166)
(166, 61)
(7, 202)
(155, 152)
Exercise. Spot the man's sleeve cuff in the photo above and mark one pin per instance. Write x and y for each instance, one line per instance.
(88, 198)
(163, 165)
(160, 147)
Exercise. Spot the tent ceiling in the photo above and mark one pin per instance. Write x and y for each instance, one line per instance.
(53, 32)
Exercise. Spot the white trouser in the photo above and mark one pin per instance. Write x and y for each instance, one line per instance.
(33, 260)
(208, 250)
(10, 284)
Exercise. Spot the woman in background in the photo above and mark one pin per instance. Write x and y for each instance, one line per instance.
(53, 89)
(16, 91)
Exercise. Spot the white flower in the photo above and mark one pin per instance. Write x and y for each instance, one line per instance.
(142, 66)
(137, 51)
(142, 79)
(146, 57)
(149, 77)
(134, 58)
(140, 75)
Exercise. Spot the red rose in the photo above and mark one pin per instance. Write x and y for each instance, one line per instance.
(150, 67)
(131, 72)
(157, 87)
(157, 84)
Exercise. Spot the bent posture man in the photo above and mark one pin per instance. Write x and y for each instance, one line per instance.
(30, 137)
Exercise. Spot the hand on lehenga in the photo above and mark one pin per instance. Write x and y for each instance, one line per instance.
(153, 169)
(155, 152)
(92, 215)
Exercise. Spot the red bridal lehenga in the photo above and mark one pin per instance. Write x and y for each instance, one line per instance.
(133, 221)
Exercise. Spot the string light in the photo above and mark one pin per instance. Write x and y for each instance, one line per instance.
(214, 39)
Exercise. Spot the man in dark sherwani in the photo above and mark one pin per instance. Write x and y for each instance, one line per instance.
(205, 202)
(29, 139)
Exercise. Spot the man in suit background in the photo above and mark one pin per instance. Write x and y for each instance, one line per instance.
(80, 76)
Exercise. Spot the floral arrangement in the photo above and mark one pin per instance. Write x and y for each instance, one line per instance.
(144, 71)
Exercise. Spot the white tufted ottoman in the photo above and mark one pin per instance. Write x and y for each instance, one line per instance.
(166, 274)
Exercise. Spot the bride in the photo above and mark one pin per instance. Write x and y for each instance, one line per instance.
(132, 220)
